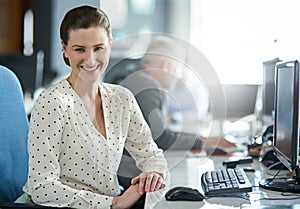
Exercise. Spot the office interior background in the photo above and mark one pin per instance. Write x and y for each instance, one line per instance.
(237, 37)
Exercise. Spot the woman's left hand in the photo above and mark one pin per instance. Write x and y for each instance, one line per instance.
(148, 181)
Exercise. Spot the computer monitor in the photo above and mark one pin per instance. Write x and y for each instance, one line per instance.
(268, 87)
(239, 101)
(286, 127)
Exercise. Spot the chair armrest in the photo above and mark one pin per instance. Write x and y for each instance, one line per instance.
(10, 205)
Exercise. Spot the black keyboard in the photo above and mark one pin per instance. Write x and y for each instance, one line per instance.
(224, 181)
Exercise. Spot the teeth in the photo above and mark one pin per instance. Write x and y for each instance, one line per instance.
(89, 69)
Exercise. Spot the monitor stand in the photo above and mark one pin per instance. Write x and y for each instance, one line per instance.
(291, 184)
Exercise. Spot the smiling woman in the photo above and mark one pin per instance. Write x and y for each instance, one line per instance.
(80, 127)
(87, 53)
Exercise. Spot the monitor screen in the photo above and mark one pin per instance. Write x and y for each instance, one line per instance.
(286, 130)
(286, 127)
(268, 86)
(239, 101)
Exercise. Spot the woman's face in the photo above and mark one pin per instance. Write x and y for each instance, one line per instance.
(88, 52)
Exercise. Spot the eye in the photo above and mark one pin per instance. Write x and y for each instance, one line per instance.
(79, 49)
(99, 48)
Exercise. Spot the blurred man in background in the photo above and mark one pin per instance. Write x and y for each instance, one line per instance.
(160, 70)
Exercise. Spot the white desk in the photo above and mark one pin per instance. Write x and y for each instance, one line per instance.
(186, 170)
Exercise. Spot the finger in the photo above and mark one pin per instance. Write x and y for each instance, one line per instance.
(142, 184)
(160, 184)
(163, 185)
(155, 183)
(149, 182)
(135, 180)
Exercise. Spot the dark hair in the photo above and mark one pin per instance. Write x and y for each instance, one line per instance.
(83, 17)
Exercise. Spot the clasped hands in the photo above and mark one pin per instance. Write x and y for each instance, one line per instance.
(148, 182)
(145, 182)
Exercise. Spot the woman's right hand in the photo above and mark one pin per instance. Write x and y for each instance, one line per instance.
(127, 199)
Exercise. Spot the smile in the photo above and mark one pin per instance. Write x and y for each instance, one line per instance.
(90, 69)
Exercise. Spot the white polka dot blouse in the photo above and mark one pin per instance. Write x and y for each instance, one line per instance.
(70, 163)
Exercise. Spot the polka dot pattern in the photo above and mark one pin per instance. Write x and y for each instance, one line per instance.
(70, 163)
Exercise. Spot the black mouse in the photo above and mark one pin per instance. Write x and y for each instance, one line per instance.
(181, 193)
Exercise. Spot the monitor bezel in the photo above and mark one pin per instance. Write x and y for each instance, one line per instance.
(292, 163)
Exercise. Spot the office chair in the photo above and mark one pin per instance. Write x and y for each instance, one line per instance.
(14, 127)
(13, 137)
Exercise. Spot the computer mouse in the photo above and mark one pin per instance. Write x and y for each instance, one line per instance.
(182, 193)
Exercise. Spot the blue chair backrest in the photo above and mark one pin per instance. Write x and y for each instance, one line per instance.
(13, 137)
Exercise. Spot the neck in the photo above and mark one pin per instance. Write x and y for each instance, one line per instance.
(84, 90)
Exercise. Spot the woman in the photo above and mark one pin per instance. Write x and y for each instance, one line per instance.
(79, 127)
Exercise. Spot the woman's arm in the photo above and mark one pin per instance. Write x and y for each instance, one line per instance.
(127, 199)
(149, 158)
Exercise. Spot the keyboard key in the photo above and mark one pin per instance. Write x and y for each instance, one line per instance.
(224, 181)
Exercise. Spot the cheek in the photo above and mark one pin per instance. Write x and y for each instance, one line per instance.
(74, 58)
(103, 57)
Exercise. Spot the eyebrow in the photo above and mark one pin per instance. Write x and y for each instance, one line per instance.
(76, 45)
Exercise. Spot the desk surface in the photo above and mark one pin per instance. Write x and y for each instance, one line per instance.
(186, 170)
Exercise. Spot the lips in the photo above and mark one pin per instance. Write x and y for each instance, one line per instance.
(90, 69)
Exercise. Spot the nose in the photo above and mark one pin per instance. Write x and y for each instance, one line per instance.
(90, 58)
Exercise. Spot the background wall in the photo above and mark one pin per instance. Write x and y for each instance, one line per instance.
(26, 67)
